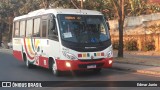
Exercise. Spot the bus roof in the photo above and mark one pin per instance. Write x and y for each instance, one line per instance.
(58, 11)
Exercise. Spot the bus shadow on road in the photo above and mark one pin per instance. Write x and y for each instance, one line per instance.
(65, 73)
(68, 74)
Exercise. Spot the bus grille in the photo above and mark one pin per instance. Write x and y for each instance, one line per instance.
(91, 60)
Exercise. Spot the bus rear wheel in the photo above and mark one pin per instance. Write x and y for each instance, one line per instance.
(55, 71)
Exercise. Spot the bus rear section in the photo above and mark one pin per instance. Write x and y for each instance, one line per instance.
(63, 40)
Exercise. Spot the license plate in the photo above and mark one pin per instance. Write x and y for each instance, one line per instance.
(91, 66)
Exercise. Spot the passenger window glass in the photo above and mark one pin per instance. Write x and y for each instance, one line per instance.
(29, 28)
(44, 28)
(16, 32)
(22, 28)
(36, 27)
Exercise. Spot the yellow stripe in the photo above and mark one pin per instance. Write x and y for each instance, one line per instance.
(29, 47)
(37, 43)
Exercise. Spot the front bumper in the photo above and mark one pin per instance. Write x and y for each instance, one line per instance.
(71, 65)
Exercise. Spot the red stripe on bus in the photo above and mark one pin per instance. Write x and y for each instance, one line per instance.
(17, 55)
(61, 64)
(43, 61)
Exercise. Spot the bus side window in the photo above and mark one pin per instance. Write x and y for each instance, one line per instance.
(22, 28)
(16, 29)
(36, 32)
(29, 28)
(53, 33)
(44, 27)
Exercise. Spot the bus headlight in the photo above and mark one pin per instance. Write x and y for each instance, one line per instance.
(69, 56)
(68, 64)
(110, 61)
(109, 54)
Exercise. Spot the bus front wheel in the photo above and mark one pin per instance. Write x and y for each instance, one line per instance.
(27, 62)
(54, 69)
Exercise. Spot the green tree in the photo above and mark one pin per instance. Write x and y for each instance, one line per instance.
(12, 8)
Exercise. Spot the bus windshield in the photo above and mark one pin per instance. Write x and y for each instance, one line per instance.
(83, 28)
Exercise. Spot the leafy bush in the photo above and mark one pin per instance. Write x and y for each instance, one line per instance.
(115, 44)
(131, 45)
(149, 45)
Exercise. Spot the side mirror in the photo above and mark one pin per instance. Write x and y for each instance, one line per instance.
(52, 24)
(53, 27)
(108, 25)
(107, 22)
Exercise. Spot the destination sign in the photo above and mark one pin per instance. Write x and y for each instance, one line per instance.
(72, 17)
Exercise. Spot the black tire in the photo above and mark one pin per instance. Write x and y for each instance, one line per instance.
(97, 70)
(54, 69)
(27, 63)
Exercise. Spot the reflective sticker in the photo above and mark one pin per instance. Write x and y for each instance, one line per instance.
(102, 54)
(88, 55)
(79, 55)
(45, 63)
(84, 55)
(98, 54)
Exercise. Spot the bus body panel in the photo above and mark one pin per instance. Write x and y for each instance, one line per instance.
(39, 51)
(78, 65)
(17, 48)
(33, 50)
(99, 58)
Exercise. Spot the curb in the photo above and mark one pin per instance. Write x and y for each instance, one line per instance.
(6, 50)
(136, 63)
(123, 69)
(148, 72)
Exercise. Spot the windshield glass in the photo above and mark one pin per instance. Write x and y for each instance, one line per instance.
(83, 28)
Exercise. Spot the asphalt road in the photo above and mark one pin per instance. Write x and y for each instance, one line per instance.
(14, 70)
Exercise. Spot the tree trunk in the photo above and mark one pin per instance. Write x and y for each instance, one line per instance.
(121, 23)
(10, 28)
(0, 38)
(81, 4)
(120, 48)
(10, 33)
(0, 34)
